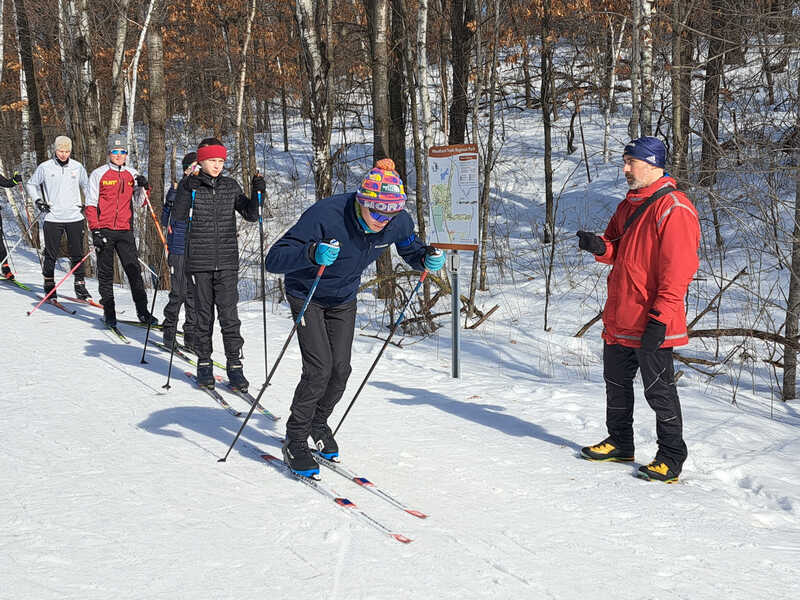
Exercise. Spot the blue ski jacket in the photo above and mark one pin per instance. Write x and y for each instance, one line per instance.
(176, 229)
(335, 218)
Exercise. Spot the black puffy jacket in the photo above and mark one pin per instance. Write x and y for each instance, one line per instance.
(211, 243)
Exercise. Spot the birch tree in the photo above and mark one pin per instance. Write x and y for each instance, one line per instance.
(633, 124)
(646, 45)
(117, 74)
(241, 142)
(616, 45)
(31, 89)
(315, 26)
(130, 87)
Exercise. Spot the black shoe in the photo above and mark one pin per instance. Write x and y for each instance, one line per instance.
(49, 284)
(205, 373)
(110, 321)
(236, 375)
(7, 271)
(658, 471)
(81, 293)
(298, 456)
(145, 317)
(326, 445)
(606, 451)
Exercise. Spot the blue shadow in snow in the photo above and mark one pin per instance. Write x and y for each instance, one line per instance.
(488, 415)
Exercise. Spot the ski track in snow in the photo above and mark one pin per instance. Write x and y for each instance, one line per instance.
(110, 485)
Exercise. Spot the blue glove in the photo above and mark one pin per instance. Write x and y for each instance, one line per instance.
(434, 259)
(326, 252)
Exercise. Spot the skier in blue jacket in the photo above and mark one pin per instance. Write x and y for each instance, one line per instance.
(364, 223)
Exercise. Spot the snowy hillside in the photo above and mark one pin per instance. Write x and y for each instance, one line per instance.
(111, 486)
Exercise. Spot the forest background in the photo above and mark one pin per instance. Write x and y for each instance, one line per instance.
(717, 80)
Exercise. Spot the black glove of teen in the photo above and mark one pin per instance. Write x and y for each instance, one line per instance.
(42, 205)
(193, 182)
(16, 178)
(653, 336)
(142, 182)
(591, 242)
(258, 184)
(99, 241)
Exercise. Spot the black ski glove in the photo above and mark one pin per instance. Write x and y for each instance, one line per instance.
(42, 206)
(653, 336)
(258, 184)
(99, 241)
(591, 243)
(142, 182)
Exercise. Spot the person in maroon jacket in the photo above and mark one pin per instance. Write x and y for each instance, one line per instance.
(109, 212)
(651, 244)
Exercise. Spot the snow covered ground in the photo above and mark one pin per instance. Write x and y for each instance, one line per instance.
(110, 486)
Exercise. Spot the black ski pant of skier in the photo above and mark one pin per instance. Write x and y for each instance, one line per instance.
(52, 244)
(217, 289)
(124, 244)
(325, 336)
(180, 293)
(620, 364)
(3, 249)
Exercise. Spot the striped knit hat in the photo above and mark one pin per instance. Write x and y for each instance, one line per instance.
(382, 188)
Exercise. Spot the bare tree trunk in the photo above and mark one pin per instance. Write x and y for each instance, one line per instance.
(397, 93)
(633, 124)
(444, 94)
(158, 136)
(314, 21)
(710, 153)
(117, 88)
(26, 56)
(461, 26)
(547, 65)
(133, 71)
(616, 45)
(646, 41)
(241, 141)
(793, 299)
(680, 110)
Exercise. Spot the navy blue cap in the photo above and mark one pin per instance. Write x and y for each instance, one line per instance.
(649, 149)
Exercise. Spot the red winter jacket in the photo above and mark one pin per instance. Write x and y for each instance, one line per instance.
(652, 265)
(110, 201)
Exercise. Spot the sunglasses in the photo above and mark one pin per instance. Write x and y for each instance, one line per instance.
(381, 216)
(119, 152)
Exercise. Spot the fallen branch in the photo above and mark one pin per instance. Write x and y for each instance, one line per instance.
(743, 332)
(588, 325)
(710, 304)
(484, 317)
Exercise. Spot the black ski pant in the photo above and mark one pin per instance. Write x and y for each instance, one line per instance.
(620, 364)
(217, 289)
(3, 250)
(52, 244)
(124, 244)
(180, 293)
(325, 336)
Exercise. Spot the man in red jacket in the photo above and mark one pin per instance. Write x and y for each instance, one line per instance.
(109, 211)
(651, 244)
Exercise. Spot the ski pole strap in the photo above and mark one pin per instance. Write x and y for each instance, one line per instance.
(260, 209)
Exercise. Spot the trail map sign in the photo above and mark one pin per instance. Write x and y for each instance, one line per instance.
(453, 194)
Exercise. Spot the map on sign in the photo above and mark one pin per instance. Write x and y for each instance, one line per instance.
(453, 193)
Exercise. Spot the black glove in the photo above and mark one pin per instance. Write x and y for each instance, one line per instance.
(193, 182)
(653, 336)
(591, 243)
(42, 206)
(16, 178)
(258, 184)
(141, 181)
(99, 240)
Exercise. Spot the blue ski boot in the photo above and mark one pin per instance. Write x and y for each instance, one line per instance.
(323, 440)
(298, 456)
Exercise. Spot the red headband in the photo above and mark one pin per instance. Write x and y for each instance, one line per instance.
(207, 152)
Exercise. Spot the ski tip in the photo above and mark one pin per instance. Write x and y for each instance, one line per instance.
(363, 481)
(416, 513)
(401, 538)
(345, 502)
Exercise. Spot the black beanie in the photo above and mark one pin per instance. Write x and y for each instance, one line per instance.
(189, 159)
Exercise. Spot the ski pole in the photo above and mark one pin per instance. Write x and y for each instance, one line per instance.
(156, 286)
(155, 222)
(63, 279)
(167, 386)
(263, 283)
(280, 355)
(25, 233)
(386, 343)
